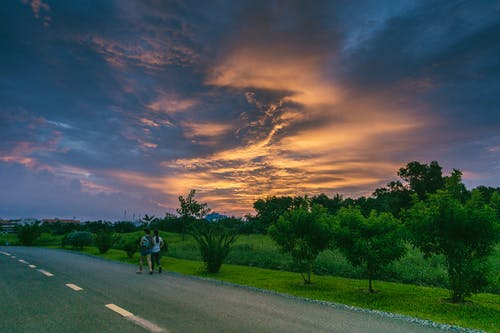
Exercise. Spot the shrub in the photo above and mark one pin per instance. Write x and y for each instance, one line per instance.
(28, 233)
(104, 241)
(124, 226)
(131, 247)
(214, 241)
(79, 239)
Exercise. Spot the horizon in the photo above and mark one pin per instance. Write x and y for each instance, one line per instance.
(126, 105)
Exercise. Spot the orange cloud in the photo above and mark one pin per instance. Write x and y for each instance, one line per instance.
(22, 153)
(149, 122)
(92, 187)
(193, 129)
(171, 104)
(257, 68)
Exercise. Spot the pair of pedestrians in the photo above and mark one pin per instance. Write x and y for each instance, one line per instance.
(150, 247)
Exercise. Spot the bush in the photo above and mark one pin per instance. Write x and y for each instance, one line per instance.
(131, 247)
(104, 241)
(124, 226)
(214, 241)
(59, 228)
(79, 239)
(28, 233)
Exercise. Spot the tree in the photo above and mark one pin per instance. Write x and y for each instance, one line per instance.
(28, 233)
(488, 191)
(454, 186)
(148, 219)
(303, 234)
(371, 242)
(270, 209)
(214, 238)
(214, 241)
(190, 210)
(79, 239)
(332, 205)
(392, 199)
(464, 233)
(422, 178)
(124, 227)
(495, 204)
(131, 246)
(103, 241)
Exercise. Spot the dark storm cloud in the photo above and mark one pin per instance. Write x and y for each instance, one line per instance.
(449, 46)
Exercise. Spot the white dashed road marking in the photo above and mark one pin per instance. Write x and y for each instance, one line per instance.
(146, 324)
(44, 272)
(126, 314)
(73, 286)
(136, 319)
(119, 310)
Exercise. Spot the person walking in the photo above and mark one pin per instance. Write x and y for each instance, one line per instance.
(155, 254)
(146, 245)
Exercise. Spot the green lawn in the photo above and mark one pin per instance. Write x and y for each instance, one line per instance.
(261, 251)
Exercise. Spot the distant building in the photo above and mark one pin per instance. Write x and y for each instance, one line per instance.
(56, 220)
(7, 226)
(215, 217)
(29, 220)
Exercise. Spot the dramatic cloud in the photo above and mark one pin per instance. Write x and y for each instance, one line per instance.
(121, 106)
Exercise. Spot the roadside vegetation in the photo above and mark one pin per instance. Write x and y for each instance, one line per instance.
(423, 246)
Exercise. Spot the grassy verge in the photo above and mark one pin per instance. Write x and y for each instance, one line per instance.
(483, 312)
(260, 251)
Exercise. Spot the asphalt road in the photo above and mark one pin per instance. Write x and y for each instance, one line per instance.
(31, 301)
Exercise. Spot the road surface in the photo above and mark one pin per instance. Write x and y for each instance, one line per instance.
(71, 292)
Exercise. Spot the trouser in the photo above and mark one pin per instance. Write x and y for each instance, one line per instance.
(155, 259)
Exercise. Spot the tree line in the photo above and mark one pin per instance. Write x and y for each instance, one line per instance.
(432, 212)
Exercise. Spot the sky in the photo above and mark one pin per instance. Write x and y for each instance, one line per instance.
(112, 109)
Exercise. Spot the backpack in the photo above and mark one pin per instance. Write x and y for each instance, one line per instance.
(147, 242)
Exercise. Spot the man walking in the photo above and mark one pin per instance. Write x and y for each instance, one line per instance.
(146, 245)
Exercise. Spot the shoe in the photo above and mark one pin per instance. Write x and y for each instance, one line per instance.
(159, 270)
(150, 272)
(139, 272)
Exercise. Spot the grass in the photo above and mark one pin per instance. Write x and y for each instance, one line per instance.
(261, 251)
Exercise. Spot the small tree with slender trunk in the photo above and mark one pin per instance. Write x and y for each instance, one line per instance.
(303, 234)
(464, 233)
(190, 210)
(28, 233)
(371, 242)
